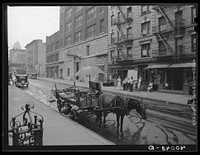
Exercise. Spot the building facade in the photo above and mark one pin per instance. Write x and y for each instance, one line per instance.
(157, 43)
(83, 40)
(36, 57)
(17, 59)
(52, 56)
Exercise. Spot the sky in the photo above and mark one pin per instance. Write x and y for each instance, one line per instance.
(27, 23)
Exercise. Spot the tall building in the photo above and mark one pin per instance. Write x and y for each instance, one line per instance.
(83, 41)
(52, 56)
(17, 59)
(36, 57)
(157, 43)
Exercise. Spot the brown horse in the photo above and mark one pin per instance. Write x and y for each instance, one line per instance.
(120, 106)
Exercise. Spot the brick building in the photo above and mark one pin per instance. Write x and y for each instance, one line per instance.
(17, 59)
(157, 43)
(82, 41)
(35, 57)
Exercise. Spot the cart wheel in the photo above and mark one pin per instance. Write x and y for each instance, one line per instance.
(59, 105)
(73, 115)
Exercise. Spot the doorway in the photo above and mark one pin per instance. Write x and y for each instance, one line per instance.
(178, 79)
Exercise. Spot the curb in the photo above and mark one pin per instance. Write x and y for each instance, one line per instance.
(118, 93)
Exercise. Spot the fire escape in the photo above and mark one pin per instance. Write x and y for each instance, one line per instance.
(172, 26)
(123, 39)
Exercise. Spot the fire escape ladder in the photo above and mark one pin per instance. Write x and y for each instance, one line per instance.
(167, 46)
(158, 33)
(122, 55)
(123, 15)
(166, 17)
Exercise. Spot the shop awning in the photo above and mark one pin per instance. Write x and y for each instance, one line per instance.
(155, 66)
(182, 65)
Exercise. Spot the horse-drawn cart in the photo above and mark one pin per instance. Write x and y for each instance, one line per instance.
(73, 102)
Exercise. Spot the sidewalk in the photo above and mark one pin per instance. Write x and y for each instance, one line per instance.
(159, 96)
(58, 130)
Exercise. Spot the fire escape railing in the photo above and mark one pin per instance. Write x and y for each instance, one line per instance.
(123, 38)
(156, 30)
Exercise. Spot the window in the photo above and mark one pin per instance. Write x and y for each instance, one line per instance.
(112, 20)
(67, 40)
(194, 42)
(102, 67)
(68, 27)
(119, 17)
(68, 12)
(101, 9)
(77, 67)
(129, 50)
(129, 9)
(52, 47)
(162, 48)
(162, 23)
(68, 71)
(91, 13)
(178, 17)
(78, 21)
(112, 37)
(144, 9)
(102, 26)
(77, 8)
(91, 31)
(129, 32)
(112, 54)
(145, 50)
(78, 36)
(57, 56)
(145, 27)
(193, 13)
(47, 48)
(57, 45)
(88, 50)
(129, 12)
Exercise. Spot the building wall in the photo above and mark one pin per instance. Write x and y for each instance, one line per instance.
(97, 44)
(36, 57)
(138, 39)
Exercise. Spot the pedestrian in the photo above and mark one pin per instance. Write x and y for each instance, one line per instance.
(131, 84)
(150, 86)
(119, 84)
(124, 84)
(139, 83)
(13, 79)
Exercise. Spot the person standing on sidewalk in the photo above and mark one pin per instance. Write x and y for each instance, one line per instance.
(131, 84)
(139, 83)
(119, 84)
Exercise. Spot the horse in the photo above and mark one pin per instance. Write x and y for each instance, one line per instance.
(120, 106)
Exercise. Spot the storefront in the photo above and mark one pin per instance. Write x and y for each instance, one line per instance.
(176, 78)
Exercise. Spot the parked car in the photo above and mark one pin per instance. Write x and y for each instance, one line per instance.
(21, 79)
(33, 75)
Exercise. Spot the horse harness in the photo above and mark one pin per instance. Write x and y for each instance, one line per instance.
(123, 106)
